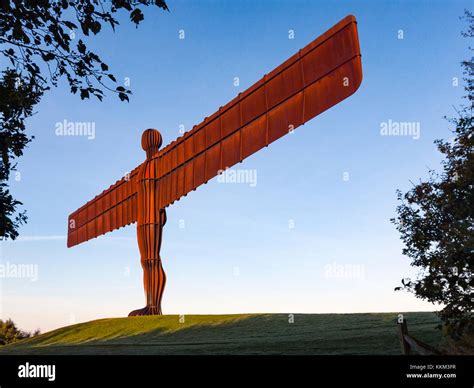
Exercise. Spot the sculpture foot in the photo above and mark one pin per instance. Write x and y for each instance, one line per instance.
(148, 310)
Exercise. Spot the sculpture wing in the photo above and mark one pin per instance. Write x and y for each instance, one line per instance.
(320, 75)
(112, 209)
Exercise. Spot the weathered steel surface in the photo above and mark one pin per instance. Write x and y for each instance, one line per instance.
(325, 72)
(317, 77)
(112, 209)
(150, 222)
(320, 75)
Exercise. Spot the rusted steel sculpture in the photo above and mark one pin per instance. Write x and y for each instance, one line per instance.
(317, 77)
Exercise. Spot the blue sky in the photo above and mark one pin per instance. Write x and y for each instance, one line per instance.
(324, 194)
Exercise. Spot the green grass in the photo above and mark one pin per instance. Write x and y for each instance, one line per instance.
(369, 333)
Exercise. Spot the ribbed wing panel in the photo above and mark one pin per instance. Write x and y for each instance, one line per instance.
(320, 75)
(112, 209)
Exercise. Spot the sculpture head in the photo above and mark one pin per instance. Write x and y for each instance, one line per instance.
(151, 142)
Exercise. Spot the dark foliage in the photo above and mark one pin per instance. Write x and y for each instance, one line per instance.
(10, 333)
(436, 221)
(38, 41)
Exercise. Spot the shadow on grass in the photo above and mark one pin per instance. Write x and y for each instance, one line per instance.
(234, 334)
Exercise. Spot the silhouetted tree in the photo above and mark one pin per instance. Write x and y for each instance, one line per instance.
(38, 41)
(9, 332)
(436, 221)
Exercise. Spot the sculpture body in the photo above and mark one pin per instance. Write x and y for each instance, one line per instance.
(150, 222)
(317, 77)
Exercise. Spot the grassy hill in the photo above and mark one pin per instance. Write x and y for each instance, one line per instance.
(370, 333)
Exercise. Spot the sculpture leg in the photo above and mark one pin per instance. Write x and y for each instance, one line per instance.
(154, 278)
